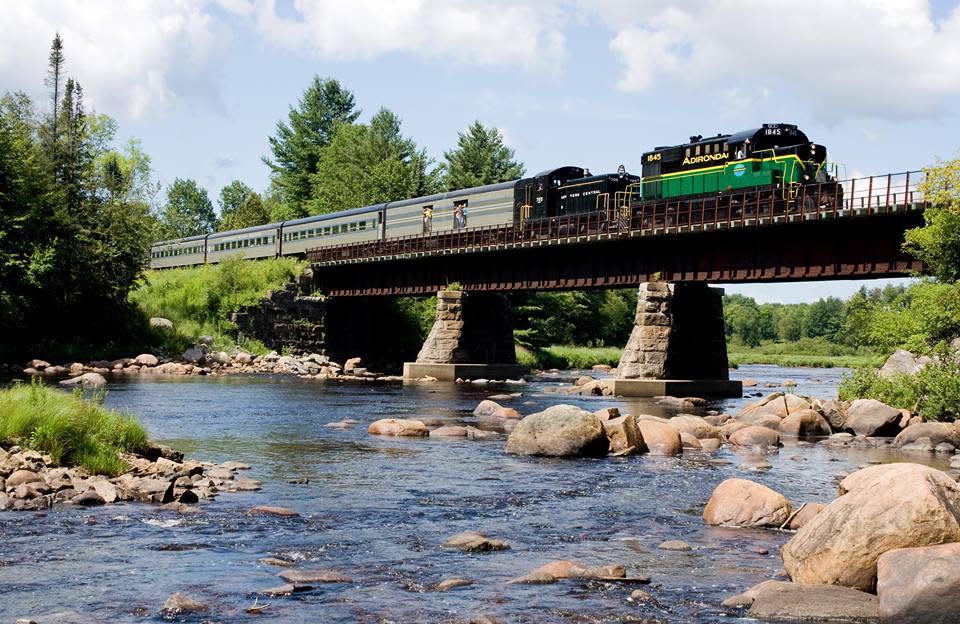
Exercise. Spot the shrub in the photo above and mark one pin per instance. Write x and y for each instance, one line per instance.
(200, 300)
(933, 392)
(73, 429)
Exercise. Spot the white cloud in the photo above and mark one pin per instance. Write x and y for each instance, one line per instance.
(137, 57)
(488, 32)
(883, 58)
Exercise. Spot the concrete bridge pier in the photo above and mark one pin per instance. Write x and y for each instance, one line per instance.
(471, 338)
(678, 344)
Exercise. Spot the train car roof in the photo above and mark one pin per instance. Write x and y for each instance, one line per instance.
(174, 241)
(351, 212)
(246, 230)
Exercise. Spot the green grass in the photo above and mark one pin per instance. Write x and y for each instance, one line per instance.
(815, 353)
(200, 300)
(72, 429)
(568, 357)
(736, 359)
(809, 352)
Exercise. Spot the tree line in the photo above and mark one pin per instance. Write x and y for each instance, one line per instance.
(75, 208)
(323, 160)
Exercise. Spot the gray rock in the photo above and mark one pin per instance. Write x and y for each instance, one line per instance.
(88, 498)
(559, 431)
(916, 585)
(780, 600)
(194, 355)
(935, 432)
(157, 321)
(675, 545)
(901, 362)
(869, 417)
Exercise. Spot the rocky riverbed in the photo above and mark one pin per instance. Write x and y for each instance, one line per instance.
(448, 528)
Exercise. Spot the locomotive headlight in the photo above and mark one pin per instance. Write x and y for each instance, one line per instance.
(806, 177)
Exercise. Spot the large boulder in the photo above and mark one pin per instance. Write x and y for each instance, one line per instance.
(869, 417)
(880, 508)
(660, 437)
(935, 432)
(738, 502)
(695, 426)
(398, 427)
(755, 436)
(624, 434)
(805, 423)
(900, 363)
(919, 585)
(559, 431)
(146, 359)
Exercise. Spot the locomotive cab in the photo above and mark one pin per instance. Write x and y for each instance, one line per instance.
(537, 197)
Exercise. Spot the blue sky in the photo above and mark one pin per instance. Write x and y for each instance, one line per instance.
(202, 83)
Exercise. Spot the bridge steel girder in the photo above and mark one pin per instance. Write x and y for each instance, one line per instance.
(844, 248)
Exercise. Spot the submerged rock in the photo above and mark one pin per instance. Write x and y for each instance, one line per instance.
(181, 603)
(305, 577)
(451, 583)
(475, 541)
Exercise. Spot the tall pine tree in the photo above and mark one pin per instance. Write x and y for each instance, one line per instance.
(479, 158)
(298, 145)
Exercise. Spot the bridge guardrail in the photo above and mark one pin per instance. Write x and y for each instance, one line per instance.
(894, 192)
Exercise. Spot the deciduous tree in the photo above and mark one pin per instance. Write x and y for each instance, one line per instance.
(368, 164)
(188, 210)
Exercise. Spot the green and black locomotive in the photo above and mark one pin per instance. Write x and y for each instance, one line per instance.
(776, 164)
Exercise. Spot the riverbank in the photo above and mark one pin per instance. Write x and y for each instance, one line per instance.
(58, 448)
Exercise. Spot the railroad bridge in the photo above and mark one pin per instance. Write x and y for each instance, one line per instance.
(671, 251)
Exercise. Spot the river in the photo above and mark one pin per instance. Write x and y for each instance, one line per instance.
(378, 509)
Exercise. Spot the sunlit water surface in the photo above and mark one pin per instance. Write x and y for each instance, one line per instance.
(379, 508)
